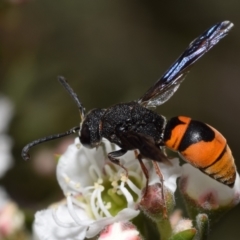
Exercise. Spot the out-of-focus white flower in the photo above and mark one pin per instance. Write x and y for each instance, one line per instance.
(45, 160)
(11, 218)
(98, 193)
(3, 198)
(206, 192)
(120, 231)
(6, 112)
(5, 154)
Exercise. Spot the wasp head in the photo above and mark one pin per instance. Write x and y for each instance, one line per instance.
(90, 135)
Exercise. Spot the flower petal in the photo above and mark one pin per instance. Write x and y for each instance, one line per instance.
(81, 164)
(45, 227)
(70, 164)
(202, 188)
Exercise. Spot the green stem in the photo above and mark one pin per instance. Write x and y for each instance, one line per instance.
(164, 228)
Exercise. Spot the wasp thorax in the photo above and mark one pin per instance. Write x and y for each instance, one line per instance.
(90, 135)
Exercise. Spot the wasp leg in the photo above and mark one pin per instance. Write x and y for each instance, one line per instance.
(159, 173)
(113, 158)
(144, 169)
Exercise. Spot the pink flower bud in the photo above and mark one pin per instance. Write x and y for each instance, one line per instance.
(154, 204)
(120, 231)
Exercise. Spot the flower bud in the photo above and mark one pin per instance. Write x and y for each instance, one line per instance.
(178, 223)
(206, 195)
(154, 204)
(120, 231)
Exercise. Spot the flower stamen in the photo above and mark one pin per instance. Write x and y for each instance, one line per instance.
(72, 184)
(72, 212)
(101, 205)
(109, 172)
(59, 222)
(119, 192)
(115, 198)
(133, 187)
(128, 195)
(114, 184)
(79, 203)
(124, 177)
(94, 206)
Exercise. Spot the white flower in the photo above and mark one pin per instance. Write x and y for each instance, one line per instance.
(6, 112)
(11, 218)
(5, 154)
(3, 198)
(98, 193)
(206, 192)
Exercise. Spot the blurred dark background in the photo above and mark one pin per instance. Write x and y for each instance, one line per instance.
(110, 52)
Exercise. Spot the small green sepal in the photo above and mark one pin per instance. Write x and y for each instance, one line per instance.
(188, 234)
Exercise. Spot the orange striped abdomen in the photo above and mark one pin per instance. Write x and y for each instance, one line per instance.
(202, 146)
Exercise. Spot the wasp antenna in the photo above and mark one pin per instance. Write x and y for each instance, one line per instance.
(74, 96)
(25, 154)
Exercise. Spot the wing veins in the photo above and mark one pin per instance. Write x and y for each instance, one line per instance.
(160, 92)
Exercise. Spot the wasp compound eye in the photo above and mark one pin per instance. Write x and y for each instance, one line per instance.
(85, 137)
(90, 134)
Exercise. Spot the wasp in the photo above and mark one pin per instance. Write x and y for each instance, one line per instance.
(134, 126)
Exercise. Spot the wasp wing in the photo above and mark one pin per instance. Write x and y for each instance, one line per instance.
(168, 84)
(145, 144)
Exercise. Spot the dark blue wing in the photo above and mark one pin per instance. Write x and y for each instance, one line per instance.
(167, 85)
